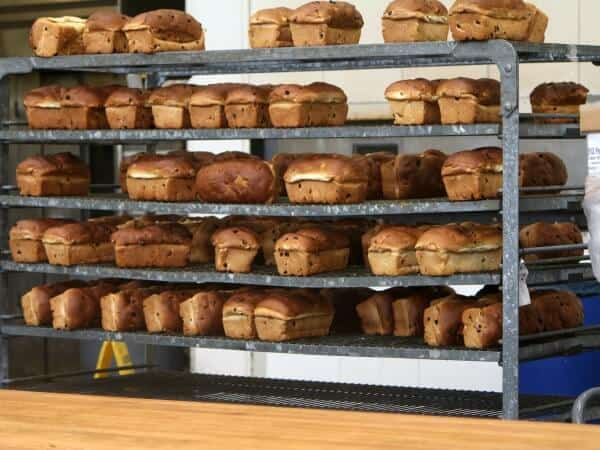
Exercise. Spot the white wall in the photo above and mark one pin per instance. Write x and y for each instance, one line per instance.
(572, 21)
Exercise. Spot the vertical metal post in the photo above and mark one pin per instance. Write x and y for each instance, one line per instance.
(5, 299)
(508, 64)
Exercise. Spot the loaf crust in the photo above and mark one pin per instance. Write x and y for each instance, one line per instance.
(170, 106)
(207, 105)
(164, 30)
(413, 176)
(161, 311)
(329, 179)
(238, 313)
(542, 169)
(128, 108)
(247, 106)
(468, 101)
(326, 23)
(376, 316)
(160, 245)
(292, 315)
(84, 107)
(413, 102)
(25, 240)
(270, 28)
(558, 98)
(311, 250)
(490, 19)
(537, 25)
(237, 181)
(51, 36)
(202, 314)
(48, 175)
(43, 108)
(201, 230)
(392, 251)
(550, 234)
(36, 302)
(558, 310)
(103, 32)
(235, 249)
(124, 310)
(314, 105)
(79, 307)
(415, 20)
(409, 310)
(459, 248)
(473, 174)
(443, 321)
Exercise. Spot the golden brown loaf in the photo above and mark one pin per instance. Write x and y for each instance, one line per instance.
(480, 160)
(376, 315)
(269, 28)
(65, 164)
(238, 313)
(312, 240)
(459, 238)
(202, 314)
(443, 320)
(161, 310)
(212, 94)
(103, 32)
(409, 308)
(124, 96)
(542, 234)
(166, 233)
(124, 310)
(415, 20)
(128, 108)
(78, 233)
(558, 309)
(247, 94)
(417, 89)
(277, 16)
(334, 14)
(395, 238)
(51, 36)
(482, 324)
(43, 108)
(427, 10)
(106, 20)
(44, 97)
(34, 228)
(391, 250)
(558, 98)
(36, 302)
(235, 249)
(326, 168)
(87, 96)
(236, 237)
(485, 90)
(312, 93)
(237, 181)
(173, 95)
(413, 176)
(164, 30)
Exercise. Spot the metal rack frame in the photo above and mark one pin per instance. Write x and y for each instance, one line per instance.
(506, 56)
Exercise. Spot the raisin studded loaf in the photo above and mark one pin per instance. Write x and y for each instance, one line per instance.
(51, 36)
(392, 250)
(414, 21)
(43, 108)
(443, 320)
(161, 310)
(558, 98)
(414, 102)
(25, 239)
(103, 32)
(36, 302)
(207, 105)
(163, 30)
(128, 108)
(170, 105)
(459, 248)
(238, 313)
(84, 108)
(468, 101)
(247, 106)
(326, 23)
(270, 28)
(542, 234)
(61, 174)
(202, 314)
(235, 249)
(124, 310)
(376, 314)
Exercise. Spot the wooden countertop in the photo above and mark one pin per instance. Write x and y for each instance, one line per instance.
(55, 421)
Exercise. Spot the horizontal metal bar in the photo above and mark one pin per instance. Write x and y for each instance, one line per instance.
(550, 335)
(530, 116)
(336, 345)
(541, 189)
(10, 316)
(264, 276)
(74, 374)
(555, 261)
(553, 248)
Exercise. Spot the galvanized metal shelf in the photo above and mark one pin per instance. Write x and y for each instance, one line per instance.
(302, 394)
(268, 276)
(349, 57)
(569, 201)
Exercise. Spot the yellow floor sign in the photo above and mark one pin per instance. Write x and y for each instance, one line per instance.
(120, 352)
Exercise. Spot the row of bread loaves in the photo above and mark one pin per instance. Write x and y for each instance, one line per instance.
(468, 101)
(177, 106)
(107, 31)
(333, 23)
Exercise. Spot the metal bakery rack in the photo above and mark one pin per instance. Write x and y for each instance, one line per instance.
(510, 210)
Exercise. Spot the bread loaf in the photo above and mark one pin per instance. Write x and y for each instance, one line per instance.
(207, 105)
(166, 245)
(542, 169)
(79, 243)
(170, 105)
(415, 20)
(392, 251)
(238, 313)
(43, 108)
(329, 179)
(162, 178)
(376, 315)
(201, 230)
(292, 315)
(79, 307)
(202, 314)
(103, 32)
(124, 310)
(163, 30)
(558, 98)
(83, 107)
(311, 250)
(413, 176)
(374, 162)
(247, 106)
(314, 105)
(161, 311)
(270, 28)
(267, 230)
(409, 310)
(558, 310)
(237, 181)
(25, 239)
(51, 36)
(482, 324)
(481, 20)
(537, 25)
(550, 234)
(443, 320)
(61, 174)
(459, 248)
(235, 249)
(473, 174)
(468, 101)
(36, 302)
(413, 102)
(326, 23)
(128, 108)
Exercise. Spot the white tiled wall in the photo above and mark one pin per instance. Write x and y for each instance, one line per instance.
(571, 21)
